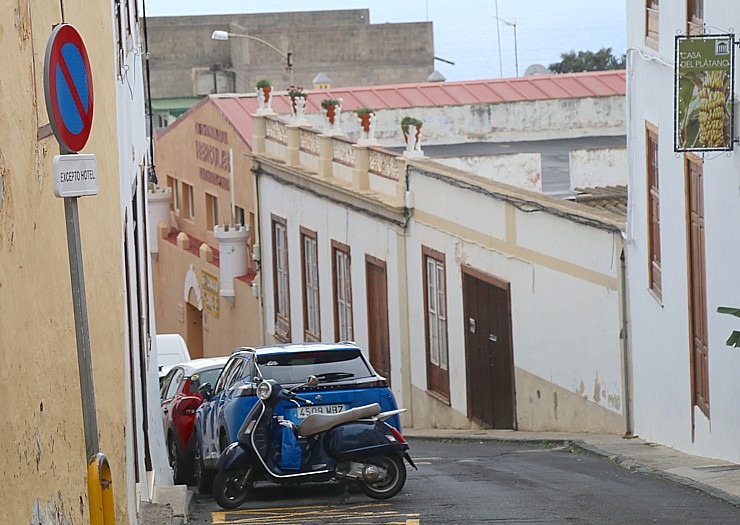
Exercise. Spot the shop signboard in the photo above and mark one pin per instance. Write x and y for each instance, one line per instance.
(704, 87)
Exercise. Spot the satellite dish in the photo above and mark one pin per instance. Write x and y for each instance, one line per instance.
(536, 69)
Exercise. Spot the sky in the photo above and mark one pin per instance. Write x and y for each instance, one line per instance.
(466, 32)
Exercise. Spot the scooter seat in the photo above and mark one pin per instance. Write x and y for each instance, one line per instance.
(316, 423)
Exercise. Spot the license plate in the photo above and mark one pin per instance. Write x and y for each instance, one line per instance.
(304, 412)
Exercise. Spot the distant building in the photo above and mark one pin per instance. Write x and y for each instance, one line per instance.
(400, 245)
(186, 64)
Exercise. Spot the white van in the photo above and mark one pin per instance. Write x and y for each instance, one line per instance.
(171, 351)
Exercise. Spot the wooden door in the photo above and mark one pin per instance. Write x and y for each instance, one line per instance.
(377, 316)
(697, 286)
(194, 331)
(488, 350)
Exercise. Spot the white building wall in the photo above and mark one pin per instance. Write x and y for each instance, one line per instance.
(500, 122)
(660, 329)
(363, 234)
(523, 170)
(564, 295)
(132, 148)
(598, 167)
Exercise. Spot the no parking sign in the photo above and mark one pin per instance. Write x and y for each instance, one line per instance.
(68, 87)
(69, 103)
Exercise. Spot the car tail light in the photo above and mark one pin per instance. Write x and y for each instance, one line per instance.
(377, 383)
(189, 406)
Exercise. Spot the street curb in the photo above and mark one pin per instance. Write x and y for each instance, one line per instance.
(592, 450)
(631, 464)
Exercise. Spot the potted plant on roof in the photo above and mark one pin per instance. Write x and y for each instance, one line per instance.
(332, 109)
(365, 115)
(297, 100)
(412, 137)
(264, 87)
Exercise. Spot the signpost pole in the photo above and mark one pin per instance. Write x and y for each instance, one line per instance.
(69, 103)
(79, 302)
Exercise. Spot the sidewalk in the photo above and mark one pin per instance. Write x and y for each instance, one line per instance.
(714, 477)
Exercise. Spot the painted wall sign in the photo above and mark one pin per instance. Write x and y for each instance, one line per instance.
(68, 88)
(704, 85)
(210, 292)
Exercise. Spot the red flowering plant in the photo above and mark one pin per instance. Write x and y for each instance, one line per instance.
(296, 91)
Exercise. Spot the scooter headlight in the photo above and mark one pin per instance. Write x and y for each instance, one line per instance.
(264, 390)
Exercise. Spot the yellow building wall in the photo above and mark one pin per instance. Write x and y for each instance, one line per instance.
(195, 151)
(41, 425)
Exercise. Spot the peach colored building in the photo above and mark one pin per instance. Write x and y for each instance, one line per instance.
(202, 265)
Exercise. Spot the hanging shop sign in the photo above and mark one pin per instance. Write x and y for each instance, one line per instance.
(704, 85)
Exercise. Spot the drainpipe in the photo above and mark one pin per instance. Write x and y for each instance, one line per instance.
(152, 177)
(624, 336)
(257, 248)
(406, 344)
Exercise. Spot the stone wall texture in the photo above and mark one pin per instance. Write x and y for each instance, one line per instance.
(341, 44)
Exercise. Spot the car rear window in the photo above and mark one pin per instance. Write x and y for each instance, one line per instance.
(329, 366)
(207, 376)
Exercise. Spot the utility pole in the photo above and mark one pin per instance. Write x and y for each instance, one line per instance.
(498, 37)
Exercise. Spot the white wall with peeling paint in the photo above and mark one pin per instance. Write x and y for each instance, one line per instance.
(594, 167)
(499, 122)
(523, 170)
(665, 411)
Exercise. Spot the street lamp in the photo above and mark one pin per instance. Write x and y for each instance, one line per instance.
(516, 53)
(288, 57)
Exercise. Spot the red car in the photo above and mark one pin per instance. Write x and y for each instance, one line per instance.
(180, 399)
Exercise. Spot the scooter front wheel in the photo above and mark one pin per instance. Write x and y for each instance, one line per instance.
(392, 483)
(232, 487)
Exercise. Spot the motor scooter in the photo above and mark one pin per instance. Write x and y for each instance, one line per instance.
(354, 446)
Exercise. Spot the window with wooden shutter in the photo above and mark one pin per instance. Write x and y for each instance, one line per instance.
(435, 311)
(653, 183)
(281, 294)
(652, 23)
(310, 275)
(695, 17)
(342, 292)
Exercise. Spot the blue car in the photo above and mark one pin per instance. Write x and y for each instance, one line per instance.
(347, 380)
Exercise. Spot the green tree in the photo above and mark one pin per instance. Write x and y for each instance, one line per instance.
(601, 60)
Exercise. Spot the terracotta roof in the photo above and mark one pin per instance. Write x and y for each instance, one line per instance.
(608, 198)
(238, 108)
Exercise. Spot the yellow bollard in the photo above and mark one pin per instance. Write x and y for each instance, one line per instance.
(100, 491)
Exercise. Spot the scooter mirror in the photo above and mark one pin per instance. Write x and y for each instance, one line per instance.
(312, 381)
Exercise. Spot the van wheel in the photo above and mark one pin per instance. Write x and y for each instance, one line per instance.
(203, 476)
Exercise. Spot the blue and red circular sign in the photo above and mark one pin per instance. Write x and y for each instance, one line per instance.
(68, 87)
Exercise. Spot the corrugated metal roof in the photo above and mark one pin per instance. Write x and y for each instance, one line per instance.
(239, 108)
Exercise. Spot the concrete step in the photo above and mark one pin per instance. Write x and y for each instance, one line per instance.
(170, 505)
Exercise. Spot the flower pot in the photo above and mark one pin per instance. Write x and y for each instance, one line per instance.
(365, 121)
(331, 113)
(266, 92)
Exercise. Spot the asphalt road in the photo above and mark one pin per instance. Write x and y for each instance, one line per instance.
(471, 483)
